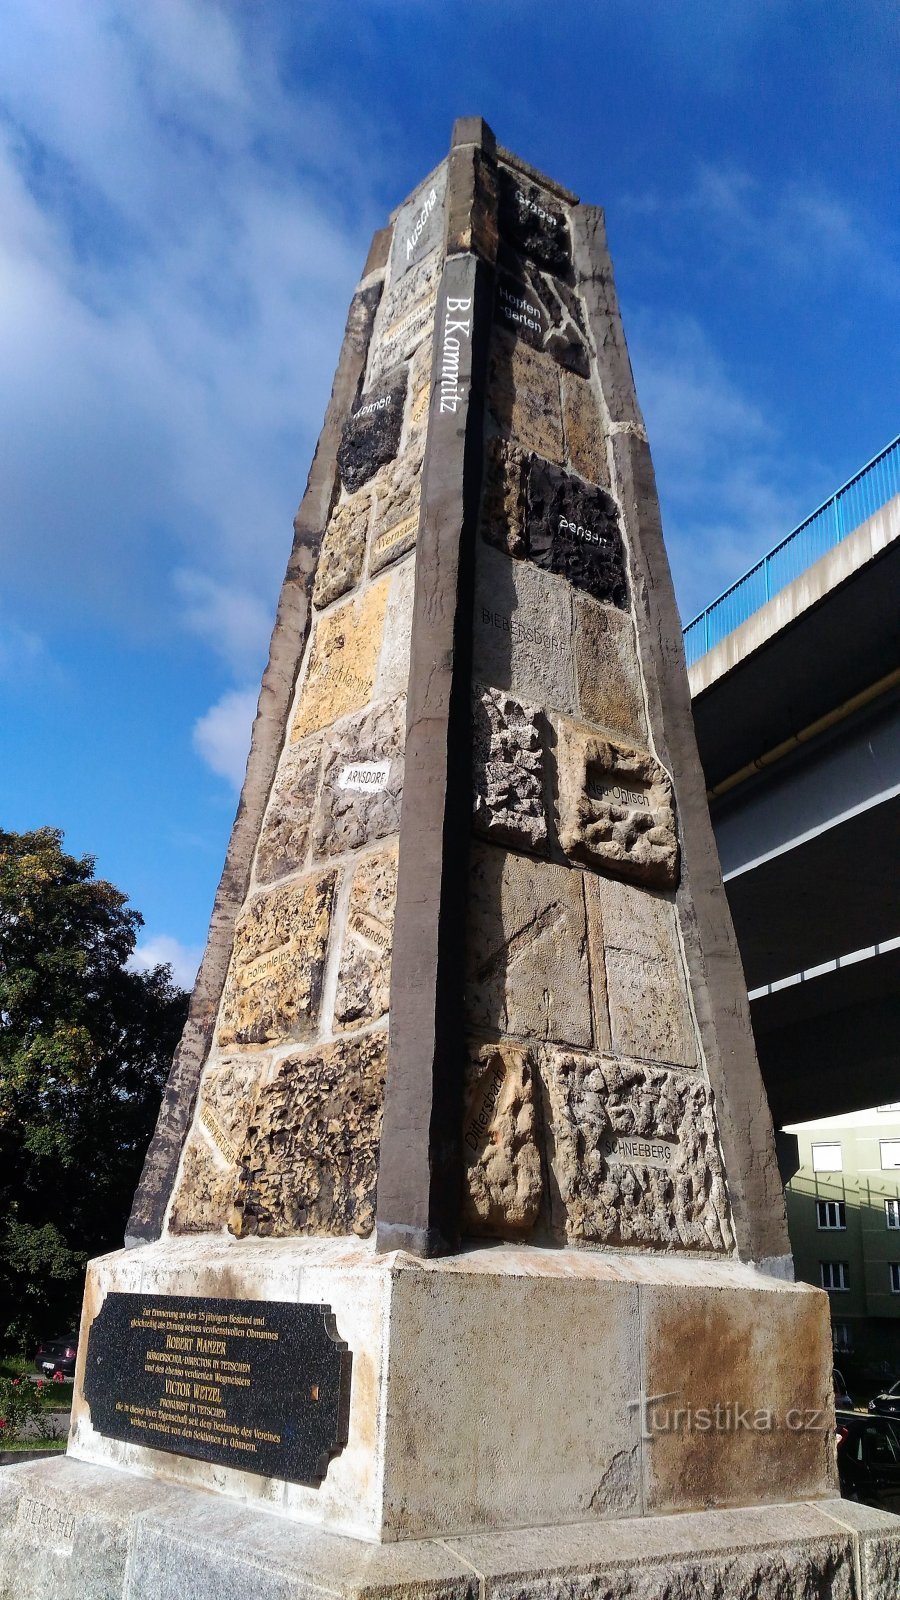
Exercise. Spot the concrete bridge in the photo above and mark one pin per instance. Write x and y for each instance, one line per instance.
(797, 711)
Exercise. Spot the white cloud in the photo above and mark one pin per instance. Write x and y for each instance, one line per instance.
(233, 621)
(222, 734)
(163, 950)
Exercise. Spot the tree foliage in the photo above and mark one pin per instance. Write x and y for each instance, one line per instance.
(85, 1046)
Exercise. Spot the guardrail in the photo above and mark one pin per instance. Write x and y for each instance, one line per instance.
(860, 497)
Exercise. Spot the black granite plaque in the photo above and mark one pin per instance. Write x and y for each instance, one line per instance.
(371, 435)
(261, 1385)
(572, 528)
(534, 224)
(544, 312)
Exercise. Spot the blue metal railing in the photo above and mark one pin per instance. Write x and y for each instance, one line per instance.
(860, 497)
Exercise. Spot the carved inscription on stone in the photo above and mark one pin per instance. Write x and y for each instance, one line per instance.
(523, 393)
(210, 1162)
(616, 807)
(364, 977)
(405, 318)
(396, 523)
(419, 225)
(310, 1159)
(343, 661)
(371, 434)
(285, 832)
(274, 983)
(533, 223)
(546, 314)
(572, 528)
(358, 804)
(503, 1180)
(522, 634)
(635, 1155)
(508, 770)
(340, 563)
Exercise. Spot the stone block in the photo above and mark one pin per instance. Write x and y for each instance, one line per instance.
(616, 807)
(419, 225)
(533, 223)
(364, 975)
(634, 1155)
(371, 434)
(523, 631)
(503, 497)
(583, 426)
(285, 832)
(419, 397)
(545, 313)
(274, 984)
(634, 934)
(362, 780)
(393, 668)
(343, 658)
(609, 678)
(406, 320)
(503, 1181)
(523, 394)
(341, 557)
(508, 770)
(209, 1165)
(526, 959)
(310, 1160)
(572, 527)
(396, 523)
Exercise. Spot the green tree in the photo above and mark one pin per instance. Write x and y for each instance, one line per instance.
(85, 1046)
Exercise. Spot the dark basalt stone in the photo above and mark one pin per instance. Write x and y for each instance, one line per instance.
(371, 435)
(533, 224)
(544, 312)
(572, 528)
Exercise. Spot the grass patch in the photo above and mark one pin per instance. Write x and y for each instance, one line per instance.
(22, 1446)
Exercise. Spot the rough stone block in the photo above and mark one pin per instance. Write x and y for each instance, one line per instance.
(343, 550)
(362, 780)
(616, 807)
(526, 958)
(209, 1166)
(523, 394)
(545, 313)
(585, 438)
(572, 528)
(609, 678)
(285, 831)
(508, 770)
(523, 631)
(274, 985)
(310, 1160)
(644, 980)
(419, 225)
(343, 658)
(419, 397)
(364, 976)
(635, 1155)
(371, 434)
(534, 223)
(396, 523)
(503, 497)
(406, 319)
(503, 1181)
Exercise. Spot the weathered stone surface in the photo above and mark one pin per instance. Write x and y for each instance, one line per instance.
(406, 318)
(573, 528)
(274, 984)
(342, 662)
(396, 524)
(609, 678)
(371, 434)
(419, 397)
(523, 631)
(635, 1155)
(616, 807)
(583, 426)
(364, 976)
(209, 1166)
(285, 832)
(362, 780)
(526, 956)
(546, 314)
(643, 979)
(343, 550)
(534, 223)
(393, 668)
(503, 1181)
(523, 394)
(310, 1160)
(508, 770)
(420, 224)
(503, 497)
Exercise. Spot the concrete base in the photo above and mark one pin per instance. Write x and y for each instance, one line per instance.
(516, 1387)
(69, 1531)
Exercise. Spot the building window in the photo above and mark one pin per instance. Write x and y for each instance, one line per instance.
(840, 1336)
(892, 1213)
(827, 1157)
(890, 1153)
(895, 1277)
(831, 1214)
(835, 1274)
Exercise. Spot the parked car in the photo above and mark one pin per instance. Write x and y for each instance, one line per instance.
(57, 1356)
(841, 1394)
(887, 1403)
(868, 1458)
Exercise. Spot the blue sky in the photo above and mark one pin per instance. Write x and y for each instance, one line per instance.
(187, 192)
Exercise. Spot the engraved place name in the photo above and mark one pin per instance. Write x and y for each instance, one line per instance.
(218, 1136)
(385, 402)
(265, 965)
(479, 1125)
(392, 536)
(518, 312)
(369, 929)
(366, 777)
(629, 1148)
(454, 329)
(522, 632)
(52, 1521)
(619, 794)
(263, 1386)
(415, 235)
(526, 203)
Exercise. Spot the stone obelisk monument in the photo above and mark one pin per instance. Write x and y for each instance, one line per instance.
(458, 1266)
